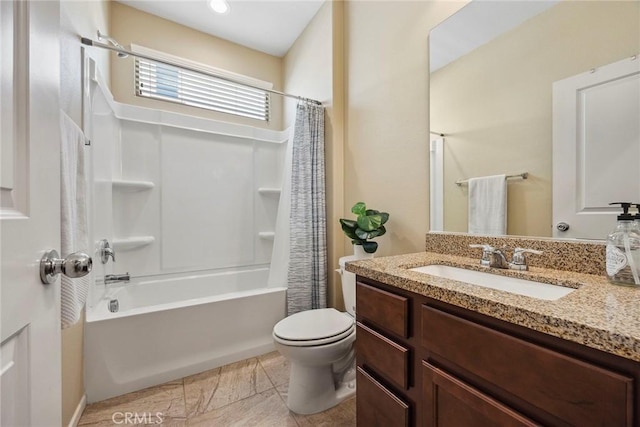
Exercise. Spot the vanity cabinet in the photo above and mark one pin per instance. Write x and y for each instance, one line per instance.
(384, 353)
(435, 364)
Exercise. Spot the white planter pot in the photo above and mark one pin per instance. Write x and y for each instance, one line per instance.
(359, 253)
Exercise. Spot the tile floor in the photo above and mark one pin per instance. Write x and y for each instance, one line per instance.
(248, 393)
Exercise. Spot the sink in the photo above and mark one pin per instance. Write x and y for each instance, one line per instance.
(514, 285)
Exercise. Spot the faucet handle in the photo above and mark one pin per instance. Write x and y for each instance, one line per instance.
(487, 250)
(484, 247)
(519, 260)
(105, 251)
(527, 251)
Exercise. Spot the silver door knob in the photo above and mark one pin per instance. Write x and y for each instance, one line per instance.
(562, 226)
(77, 264)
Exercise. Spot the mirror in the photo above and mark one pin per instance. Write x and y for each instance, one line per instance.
(492, 98)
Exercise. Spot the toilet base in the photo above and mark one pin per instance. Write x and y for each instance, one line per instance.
(312, 389)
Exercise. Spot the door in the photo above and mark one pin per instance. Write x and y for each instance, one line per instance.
(450, 402)
(596, 148)
(30, 387)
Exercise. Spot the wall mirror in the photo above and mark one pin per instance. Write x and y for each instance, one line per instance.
(493, 68)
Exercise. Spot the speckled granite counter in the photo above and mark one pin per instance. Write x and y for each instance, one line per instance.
(597, 314)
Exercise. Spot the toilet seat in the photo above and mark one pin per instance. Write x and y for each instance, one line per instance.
(313, 328)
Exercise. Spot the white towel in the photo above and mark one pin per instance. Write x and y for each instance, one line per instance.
(488, 205)
(75, 236)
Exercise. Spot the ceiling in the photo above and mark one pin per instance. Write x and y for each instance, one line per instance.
(265, 25)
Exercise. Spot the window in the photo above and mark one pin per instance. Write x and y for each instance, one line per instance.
(168, 83)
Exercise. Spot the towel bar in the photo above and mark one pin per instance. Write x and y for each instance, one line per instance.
(523, 175)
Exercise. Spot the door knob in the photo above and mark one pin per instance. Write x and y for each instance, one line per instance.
(77, 264)
(562, 226)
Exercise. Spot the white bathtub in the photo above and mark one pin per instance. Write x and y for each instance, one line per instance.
(170, 328)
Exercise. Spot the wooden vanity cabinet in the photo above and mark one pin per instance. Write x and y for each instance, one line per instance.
(385, 352)
(434, 364)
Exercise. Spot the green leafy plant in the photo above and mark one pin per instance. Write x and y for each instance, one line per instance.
(369, 224)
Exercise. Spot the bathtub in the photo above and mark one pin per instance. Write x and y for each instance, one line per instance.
(169, 328)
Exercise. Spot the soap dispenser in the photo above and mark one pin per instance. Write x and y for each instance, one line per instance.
(623, 250)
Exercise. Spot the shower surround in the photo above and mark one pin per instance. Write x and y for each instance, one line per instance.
(189, 206)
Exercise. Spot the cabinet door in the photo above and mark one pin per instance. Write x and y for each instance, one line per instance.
(559, 388)
(376, 406)
(449, 402)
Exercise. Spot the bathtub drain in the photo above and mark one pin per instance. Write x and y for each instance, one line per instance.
(114, 305)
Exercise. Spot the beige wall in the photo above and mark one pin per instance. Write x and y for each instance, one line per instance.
(494, 104)
(72, 369)
(129, 25)
(77, 18)
(387, 116)
(313, 68)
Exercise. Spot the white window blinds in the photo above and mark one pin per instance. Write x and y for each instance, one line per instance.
(173, 84)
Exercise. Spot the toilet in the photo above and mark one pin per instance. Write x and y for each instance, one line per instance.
(319, 345)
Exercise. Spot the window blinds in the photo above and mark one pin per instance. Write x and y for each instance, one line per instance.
(173, 84)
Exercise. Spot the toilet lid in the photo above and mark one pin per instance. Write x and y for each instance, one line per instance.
(313, 325)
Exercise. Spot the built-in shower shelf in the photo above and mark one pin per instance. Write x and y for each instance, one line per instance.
(134, 242)
(132, 186)
(267, 235)
(269, 191)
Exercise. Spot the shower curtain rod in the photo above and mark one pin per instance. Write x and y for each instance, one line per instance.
(94, 43)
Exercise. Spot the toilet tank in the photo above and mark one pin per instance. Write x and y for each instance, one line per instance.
(348, 285)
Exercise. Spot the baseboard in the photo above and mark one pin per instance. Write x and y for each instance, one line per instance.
(79, 410)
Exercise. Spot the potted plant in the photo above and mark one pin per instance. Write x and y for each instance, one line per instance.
(368, 225)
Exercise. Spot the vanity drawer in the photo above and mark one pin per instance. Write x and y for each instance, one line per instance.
(384, 356)
(569, 389)
(376, 406)
(387, 310)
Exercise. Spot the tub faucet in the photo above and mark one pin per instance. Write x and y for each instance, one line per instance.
(116, 278)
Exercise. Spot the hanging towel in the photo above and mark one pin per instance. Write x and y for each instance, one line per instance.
(488, 205)
(75, 236)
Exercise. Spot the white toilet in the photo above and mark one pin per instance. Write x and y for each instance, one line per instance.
(320, 347)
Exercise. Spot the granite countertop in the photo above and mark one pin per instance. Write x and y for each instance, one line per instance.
(597, 314)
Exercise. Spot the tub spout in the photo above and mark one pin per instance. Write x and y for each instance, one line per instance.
(116, 278)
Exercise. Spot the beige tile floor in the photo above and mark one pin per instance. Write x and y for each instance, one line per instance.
(248, 393)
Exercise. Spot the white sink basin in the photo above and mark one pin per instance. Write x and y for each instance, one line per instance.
(503, 283)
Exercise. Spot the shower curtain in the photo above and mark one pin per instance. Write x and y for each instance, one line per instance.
(303, 196)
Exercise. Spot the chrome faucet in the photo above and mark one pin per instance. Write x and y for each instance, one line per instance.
(116, 278)
(496, 258)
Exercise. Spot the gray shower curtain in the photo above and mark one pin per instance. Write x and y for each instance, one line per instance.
(307, 272)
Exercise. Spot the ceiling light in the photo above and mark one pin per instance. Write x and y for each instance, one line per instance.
(219, 6)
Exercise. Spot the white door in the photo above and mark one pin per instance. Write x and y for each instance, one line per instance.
(30, 387)
(596, 148)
